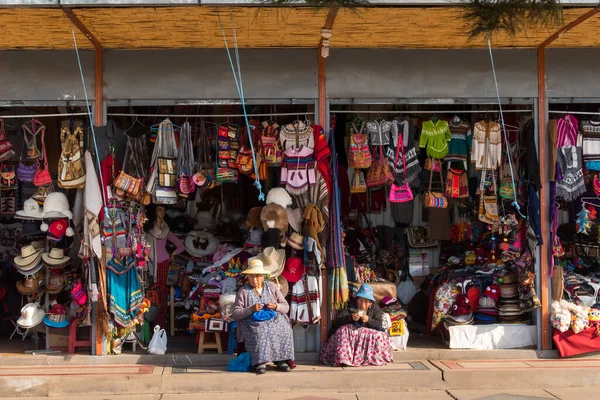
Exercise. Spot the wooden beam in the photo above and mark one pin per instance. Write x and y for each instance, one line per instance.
(82, 28)
(98, 121)
(546, 248)
(322, 112)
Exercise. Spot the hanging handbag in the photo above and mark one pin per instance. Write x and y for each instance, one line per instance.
(42, 175)
(71, 174)
(358, 182)
(488, 204)
(432, 164)
(507, 189)
(457, 184)
(129, 182)
(161, 184)
(205, 168)
(234, 146)
(25, 173)
(185, 162)
(400, 193)
(8, 177)
(6, 147)
(435, 199)
(379, 174)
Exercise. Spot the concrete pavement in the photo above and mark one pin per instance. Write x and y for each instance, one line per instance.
(520, 379)
(471, 394)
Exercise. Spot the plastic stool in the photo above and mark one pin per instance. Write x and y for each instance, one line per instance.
(73, 342)
(203, 345)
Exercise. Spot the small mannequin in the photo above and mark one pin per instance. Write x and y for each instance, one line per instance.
(158, 235)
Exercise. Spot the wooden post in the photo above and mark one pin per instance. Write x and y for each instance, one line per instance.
(322, 113)
(544, 210)
(546, 252)
(98, 121)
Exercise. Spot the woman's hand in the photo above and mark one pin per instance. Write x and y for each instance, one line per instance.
(257, 307)
(272, 306)
(355, 317)
(365, 318)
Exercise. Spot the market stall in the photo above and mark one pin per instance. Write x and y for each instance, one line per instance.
(442, 204)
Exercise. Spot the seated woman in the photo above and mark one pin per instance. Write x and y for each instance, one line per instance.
(357, 337)
(267, 339)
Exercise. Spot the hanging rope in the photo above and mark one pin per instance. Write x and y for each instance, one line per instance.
(515, 204)
(237, 77)
(89, 113)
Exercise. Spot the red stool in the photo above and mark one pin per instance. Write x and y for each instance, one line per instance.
(73, 342)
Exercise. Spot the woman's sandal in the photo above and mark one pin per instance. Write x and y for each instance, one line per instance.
(283, 366)
(260, 369)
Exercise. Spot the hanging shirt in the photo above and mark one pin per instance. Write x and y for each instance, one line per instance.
(435, 137)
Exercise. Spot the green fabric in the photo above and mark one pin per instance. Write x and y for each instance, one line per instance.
(435, 137)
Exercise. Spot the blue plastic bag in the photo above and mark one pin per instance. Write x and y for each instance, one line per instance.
(263, 315)
(241, 363)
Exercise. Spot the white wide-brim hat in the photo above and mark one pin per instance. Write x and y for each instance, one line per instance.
(200, 243)
(31, 316)
(273, 261)
(255, 267)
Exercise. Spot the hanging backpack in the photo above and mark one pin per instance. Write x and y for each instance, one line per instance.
(359, 156)
(71, 174)
(245, 161)
(269, 141)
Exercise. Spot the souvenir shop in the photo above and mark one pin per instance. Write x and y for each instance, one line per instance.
(439, 208)
(574, 201)
(177, 201)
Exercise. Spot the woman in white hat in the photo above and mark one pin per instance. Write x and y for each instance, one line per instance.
(261, 310)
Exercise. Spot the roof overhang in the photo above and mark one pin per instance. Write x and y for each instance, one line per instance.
(260, 26)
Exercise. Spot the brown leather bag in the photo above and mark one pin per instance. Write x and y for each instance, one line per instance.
(380, 289)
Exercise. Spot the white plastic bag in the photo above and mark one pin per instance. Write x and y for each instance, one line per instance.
(158, 343)
(406, 290)
(400, 342)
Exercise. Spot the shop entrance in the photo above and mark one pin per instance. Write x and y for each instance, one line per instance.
(462, 282)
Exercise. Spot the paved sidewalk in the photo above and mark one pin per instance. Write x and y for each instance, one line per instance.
(472, 394)
(571, 379)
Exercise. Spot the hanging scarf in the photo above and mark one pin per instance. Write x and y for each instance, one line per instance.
(185, 158)
(338, 293)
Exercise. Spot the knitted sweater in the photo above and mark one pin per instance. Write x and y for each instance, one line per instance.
(460, 142)
(435, 137)
(491, 159)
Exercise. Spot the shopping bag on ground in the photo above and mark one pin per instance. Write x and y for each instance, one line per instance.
(241, 363)
(158, 343)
